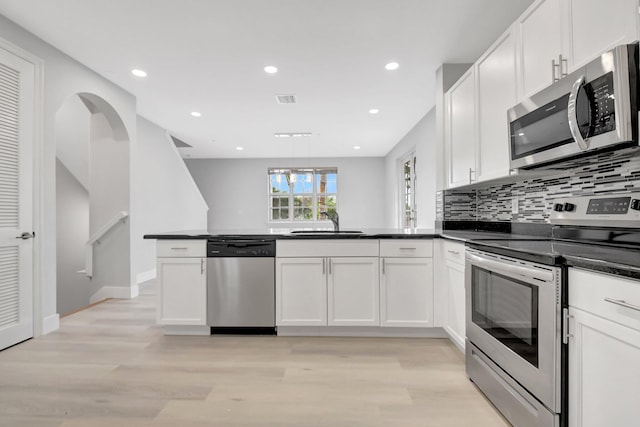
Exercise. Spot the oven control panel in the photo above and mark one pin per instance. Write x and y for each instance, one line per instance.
(616, 210)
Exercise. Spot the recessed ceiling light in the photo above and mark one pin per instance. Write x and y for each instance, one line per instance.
(239, 148)
(392, 66)
(196, 114)
(292, 134)
(356, 147)
(270, 69)
(374, 111)
(138, 73)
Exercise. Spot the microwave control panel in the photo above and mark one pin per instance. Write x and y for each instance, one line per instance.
(601, 98)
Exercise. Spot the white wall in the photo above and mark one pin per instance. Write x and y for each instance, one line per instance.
(63, 77)
(236, 190)
(165, 195)
(72, 138)
(422, 139)
(72, 224)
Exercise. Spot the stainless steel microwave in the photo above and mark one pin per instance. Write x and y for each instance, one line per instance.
(593, 109)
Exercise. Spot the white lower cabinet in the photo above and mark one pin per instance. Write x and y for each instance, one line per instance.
(454, 278)
(604, 350)
(353, 296)
(316, 289)
(182, 280)
(327, 291)
(354, 283)
(406, 292)
(301, 291)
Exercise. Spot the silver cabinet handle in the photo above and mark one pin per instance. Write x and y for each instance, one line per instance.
(408, 249)
(553, 71)
(563, 70)
(573, 115)
(622, 303)
(202, 266)
(471, 171)
(453, 252)
(323, 267)
(382, 266)
(179, 249)
(329, 261)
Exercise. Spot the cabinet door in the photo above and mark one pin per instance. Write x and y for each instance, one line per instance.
(496, 92)
(597, 26)
(353, 291)
(182, 296)
(604, 378)
(301, 291)
(461, 130)
(540, 42)
(406, 292)
(455, 319)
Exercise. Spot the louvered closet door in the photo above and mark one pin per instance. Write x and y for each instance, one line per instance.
(16, 194)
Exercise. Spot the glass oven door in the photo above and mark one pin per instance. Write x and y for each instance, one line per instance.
(507, 309)
(513, 317)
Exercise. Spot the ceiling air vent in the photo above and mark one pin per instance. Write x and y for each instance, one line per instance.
(286, 99)
(179, 143)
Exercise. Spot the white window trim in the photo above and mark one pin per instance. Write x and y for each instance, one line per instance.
(313, 194)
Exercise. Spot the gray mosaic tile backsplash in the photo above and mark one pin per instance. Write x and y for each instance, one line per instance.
(607, 173)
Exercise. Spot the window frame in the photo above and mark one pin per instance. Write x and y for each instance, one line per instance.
(314, 194)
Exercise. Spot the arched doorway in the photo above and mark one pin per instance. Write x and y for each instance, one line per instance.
(92, 193)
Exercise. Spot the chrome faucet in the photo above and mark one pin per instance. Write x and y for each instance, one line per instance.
(335, 219)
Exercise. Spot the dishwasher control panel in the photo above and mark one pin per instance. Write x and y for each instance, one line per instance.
(239, 248)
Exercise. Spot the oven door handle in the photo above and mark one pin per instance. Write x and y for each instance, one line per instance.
(501, 267)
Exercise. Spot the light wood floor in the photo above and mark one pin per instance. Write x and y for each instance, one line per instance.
(111, 366)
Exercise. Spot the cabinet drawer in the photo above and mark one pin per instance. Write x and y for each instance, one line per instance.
(181, 248)
(588, 290)
(406, 248)
(326, 248)
(453, 251)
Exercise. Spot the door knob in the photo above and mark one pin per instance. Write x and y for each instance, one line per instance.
(26, 235)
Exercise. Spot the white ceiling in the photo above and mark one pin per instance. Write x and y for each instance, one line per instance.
(209, 55)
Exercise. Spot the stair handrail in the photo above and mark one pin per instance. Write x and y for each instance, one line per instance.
(88, 253)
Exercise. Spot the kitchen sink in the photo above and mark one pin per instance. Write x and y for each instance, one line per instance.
(311, 232)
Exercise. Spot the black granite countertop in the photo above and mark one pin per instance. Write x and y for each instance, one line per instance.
(298, 233)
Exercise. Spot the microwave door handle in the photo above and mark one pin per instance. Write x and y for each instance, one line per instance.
(573, 115)
(503, 267)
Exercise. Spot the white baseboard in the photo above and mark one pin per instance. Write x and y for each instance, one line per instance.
(122, 292)
(457, 340)
(146, 276)
(360, 331)
(50, 323)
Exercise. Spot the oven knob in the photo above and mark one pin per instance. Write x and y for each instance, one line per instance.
(635, 204)
(569, 207)
(558, 207)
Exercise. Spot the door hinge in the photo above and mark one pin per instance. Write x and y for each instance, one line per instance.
(565, 326)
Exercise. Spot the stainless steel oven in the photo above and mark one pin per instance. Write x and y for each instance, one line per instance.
(595, 108)
(514, 340)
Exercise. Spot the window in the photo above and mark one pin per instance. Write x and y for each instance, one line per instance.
(408, 213)
(302, 194)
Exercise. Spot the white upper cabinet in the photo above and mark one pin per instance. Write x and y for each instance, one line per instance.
(496, 92)
(541, 30)
(597, 26)
(460, 133)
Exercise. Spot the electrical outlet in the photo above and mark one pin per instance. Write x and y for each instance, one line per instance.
(514, 205)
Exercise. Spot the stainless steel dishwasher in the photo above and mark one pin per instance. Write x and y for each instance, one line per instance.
(241, 285)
